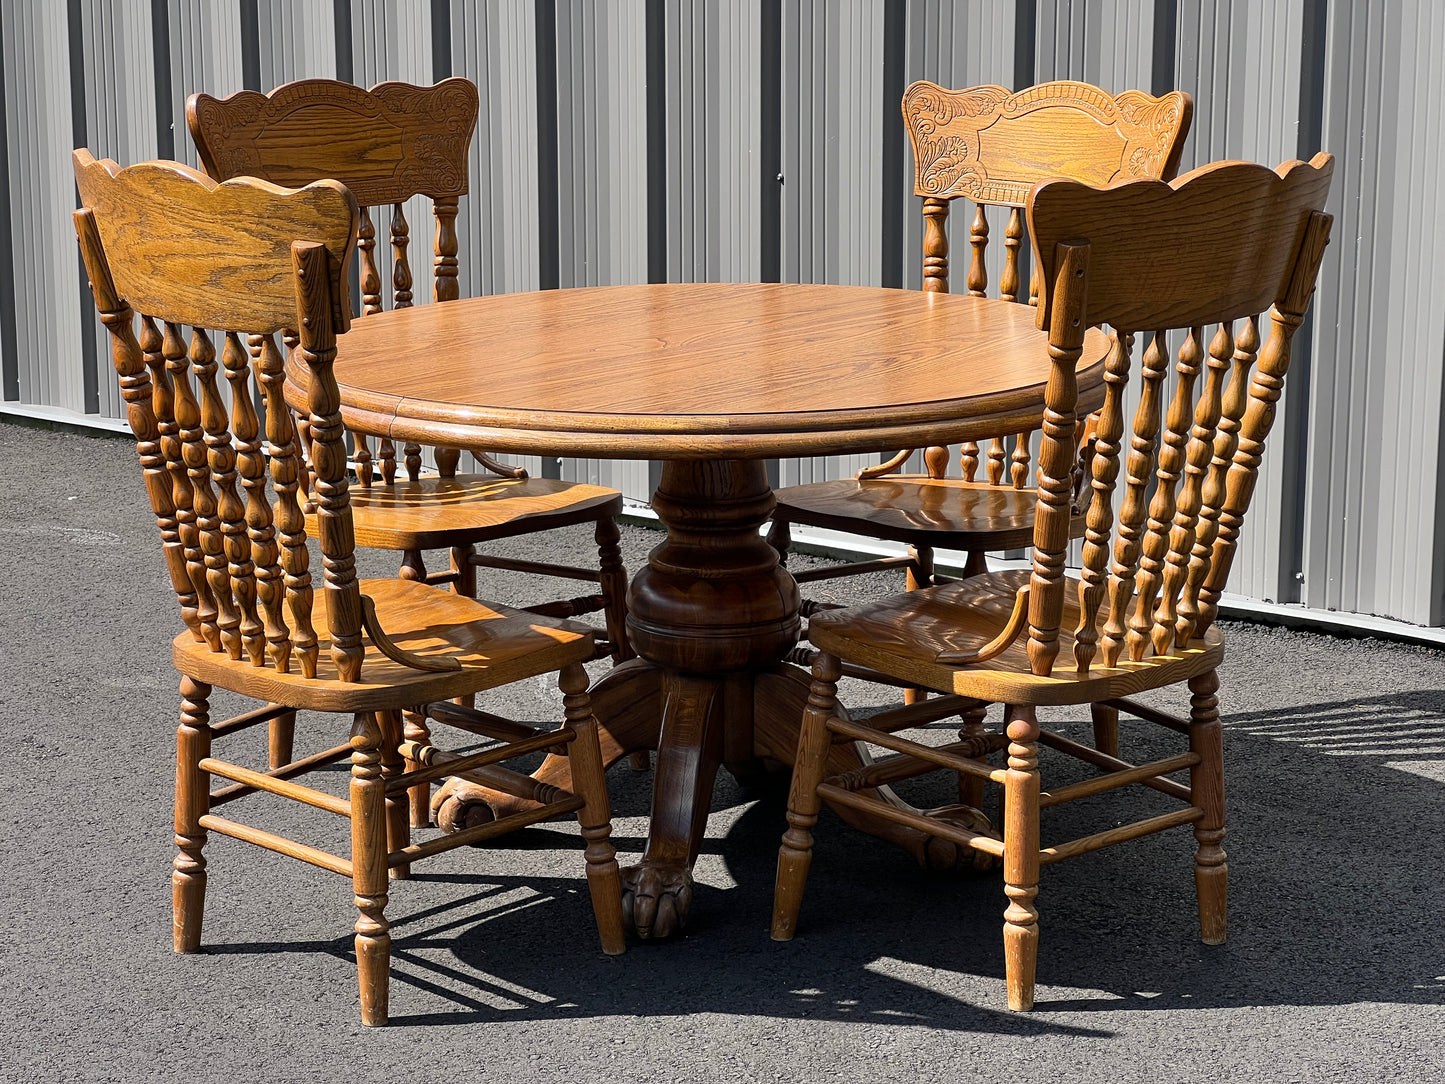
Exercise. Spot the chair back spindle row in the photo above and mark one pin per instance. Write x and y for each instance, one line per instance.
(387, 144)
(1152, 576)
(247, 258)
(990, 145)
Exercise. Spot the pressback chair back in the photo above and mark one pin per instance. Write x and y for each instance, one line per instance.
(990, 145)
(250, 260)
(386, 144)
(1216, 247)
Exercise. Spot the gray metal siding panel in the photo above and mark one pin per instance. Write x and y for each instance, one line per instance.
(1371, 531)
(1371, 536)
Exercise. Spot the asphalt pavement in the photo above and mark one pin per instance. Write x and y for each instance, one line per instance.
(1334, 970)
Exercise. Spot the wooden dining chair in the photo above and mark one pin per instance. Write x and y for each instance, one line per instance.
(1215, 247)
(388, 144)
(251, 259)
(987, 145)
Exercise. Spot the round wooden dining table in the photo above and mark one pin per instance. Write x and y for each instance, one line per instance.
(712, 380)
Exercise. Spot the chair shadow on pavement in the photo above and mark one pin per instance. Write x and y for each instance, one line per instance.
(1335, 870)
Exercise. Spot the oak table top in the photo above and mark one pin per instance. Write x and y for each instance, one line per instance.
(711, 379)
(696, 371)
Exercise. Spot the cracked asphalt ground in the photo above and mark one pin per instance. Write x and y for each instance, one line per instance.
(1335, 967)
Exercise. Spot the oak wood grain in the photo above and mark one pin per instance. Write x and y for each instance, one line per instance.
(1160, 258)
(991, 144)
(386, 144)
(432, 513)
(699, 370)
(230, 275)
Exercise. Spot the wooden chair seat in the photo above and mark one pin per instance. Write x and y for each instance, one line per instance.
(435, 513)
(918, 510)
(905, 634)
(495, 645)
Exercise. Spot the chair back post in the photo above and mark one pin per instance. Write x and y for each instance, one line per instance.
(320, 318)
(1056, 456)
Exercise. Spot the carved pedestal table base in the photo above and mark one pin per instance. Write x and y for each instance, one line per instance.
(711, 617)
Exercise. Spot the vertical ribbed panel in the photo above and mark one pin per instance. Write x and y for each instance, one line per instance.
(1105, 42)
(1374, 440)
(298, 40)
(713, 141)
(391, 41)
(832, 128)
(495, 45)
(205, 58)
(119, 123)
(1241, 62)
(601, 159)
(602, 143)
(48, 342)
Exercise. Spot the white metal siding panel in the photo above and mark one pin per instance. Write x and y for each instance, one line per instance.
(713, 141)
(48, 344)
(205, 58)
(120, 124)
(1376, 392)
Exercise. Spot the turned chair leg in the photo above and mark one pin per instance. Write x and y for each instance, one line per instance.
(604, 879)
(281, 740)
(368, 867)
(464, 570)
(398, 807)
(1021, 857)
(613, 581)
(193, 801)
(1106, 728)
(796, 852)
(920, 574)
(465, 584)
(419, 796)
(970, 787)
(1206, 783)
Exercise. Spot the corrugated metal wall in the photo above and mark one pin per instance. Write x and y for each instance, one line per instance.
(690, 140)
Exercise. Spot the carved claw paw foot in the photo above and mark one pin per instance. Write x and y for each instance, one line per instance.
(456, 805)
(655, 900)
(944, 854)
